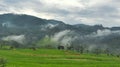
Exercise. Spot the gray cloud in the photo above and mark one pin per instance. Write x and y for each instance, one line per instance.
(106, 12)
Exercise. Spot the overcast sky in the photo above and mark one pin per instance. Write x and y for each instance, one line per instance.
(106, 12)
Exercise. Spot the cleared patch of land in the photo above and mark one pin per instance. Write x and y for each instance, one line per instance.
(56, 58)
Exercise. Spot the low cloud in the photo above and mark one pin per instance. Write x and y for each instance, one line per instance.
(17, 38)
(60, 35)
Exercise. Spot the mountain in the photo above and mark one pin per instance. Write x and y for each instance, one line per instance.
(28, 30)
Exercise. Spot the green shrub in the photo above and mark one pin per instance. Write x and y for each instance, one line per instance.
(3, 62)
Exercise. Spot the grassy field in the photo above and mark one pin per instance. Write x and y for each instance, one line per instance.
(56, 58)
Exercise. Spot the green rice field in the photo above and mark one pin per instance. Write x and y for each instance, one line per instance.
(56, 58)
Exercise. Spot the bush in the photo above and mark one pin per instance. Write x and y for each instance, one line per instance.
(3, 62)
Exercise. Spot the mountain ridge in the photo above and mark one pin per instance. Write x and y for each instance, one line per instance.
(31, 30)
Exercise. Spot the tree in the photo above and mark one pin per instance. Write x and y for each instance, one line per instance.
(97, 51)
(107, 51)
(81, 49)
(2, 43)
(61, 47)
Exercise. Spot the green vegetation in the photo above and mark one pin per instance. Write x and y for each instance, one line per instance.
(2, 62)
(46, 43)
(56, 58)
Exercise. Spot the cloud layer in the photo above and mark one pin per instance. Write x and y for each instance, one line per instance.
(106, 12)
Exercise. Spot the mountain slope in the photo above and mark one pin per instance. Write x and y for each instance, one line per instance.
(31, 30)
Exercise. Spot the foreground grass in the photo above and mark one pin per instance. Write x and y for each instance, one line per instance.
(56, 58)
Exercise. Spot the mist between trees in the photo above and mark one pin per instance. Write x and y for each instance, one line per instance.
(102, 41)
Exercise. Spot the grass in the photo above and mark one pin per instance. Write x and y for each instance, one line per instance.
(56, 58)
